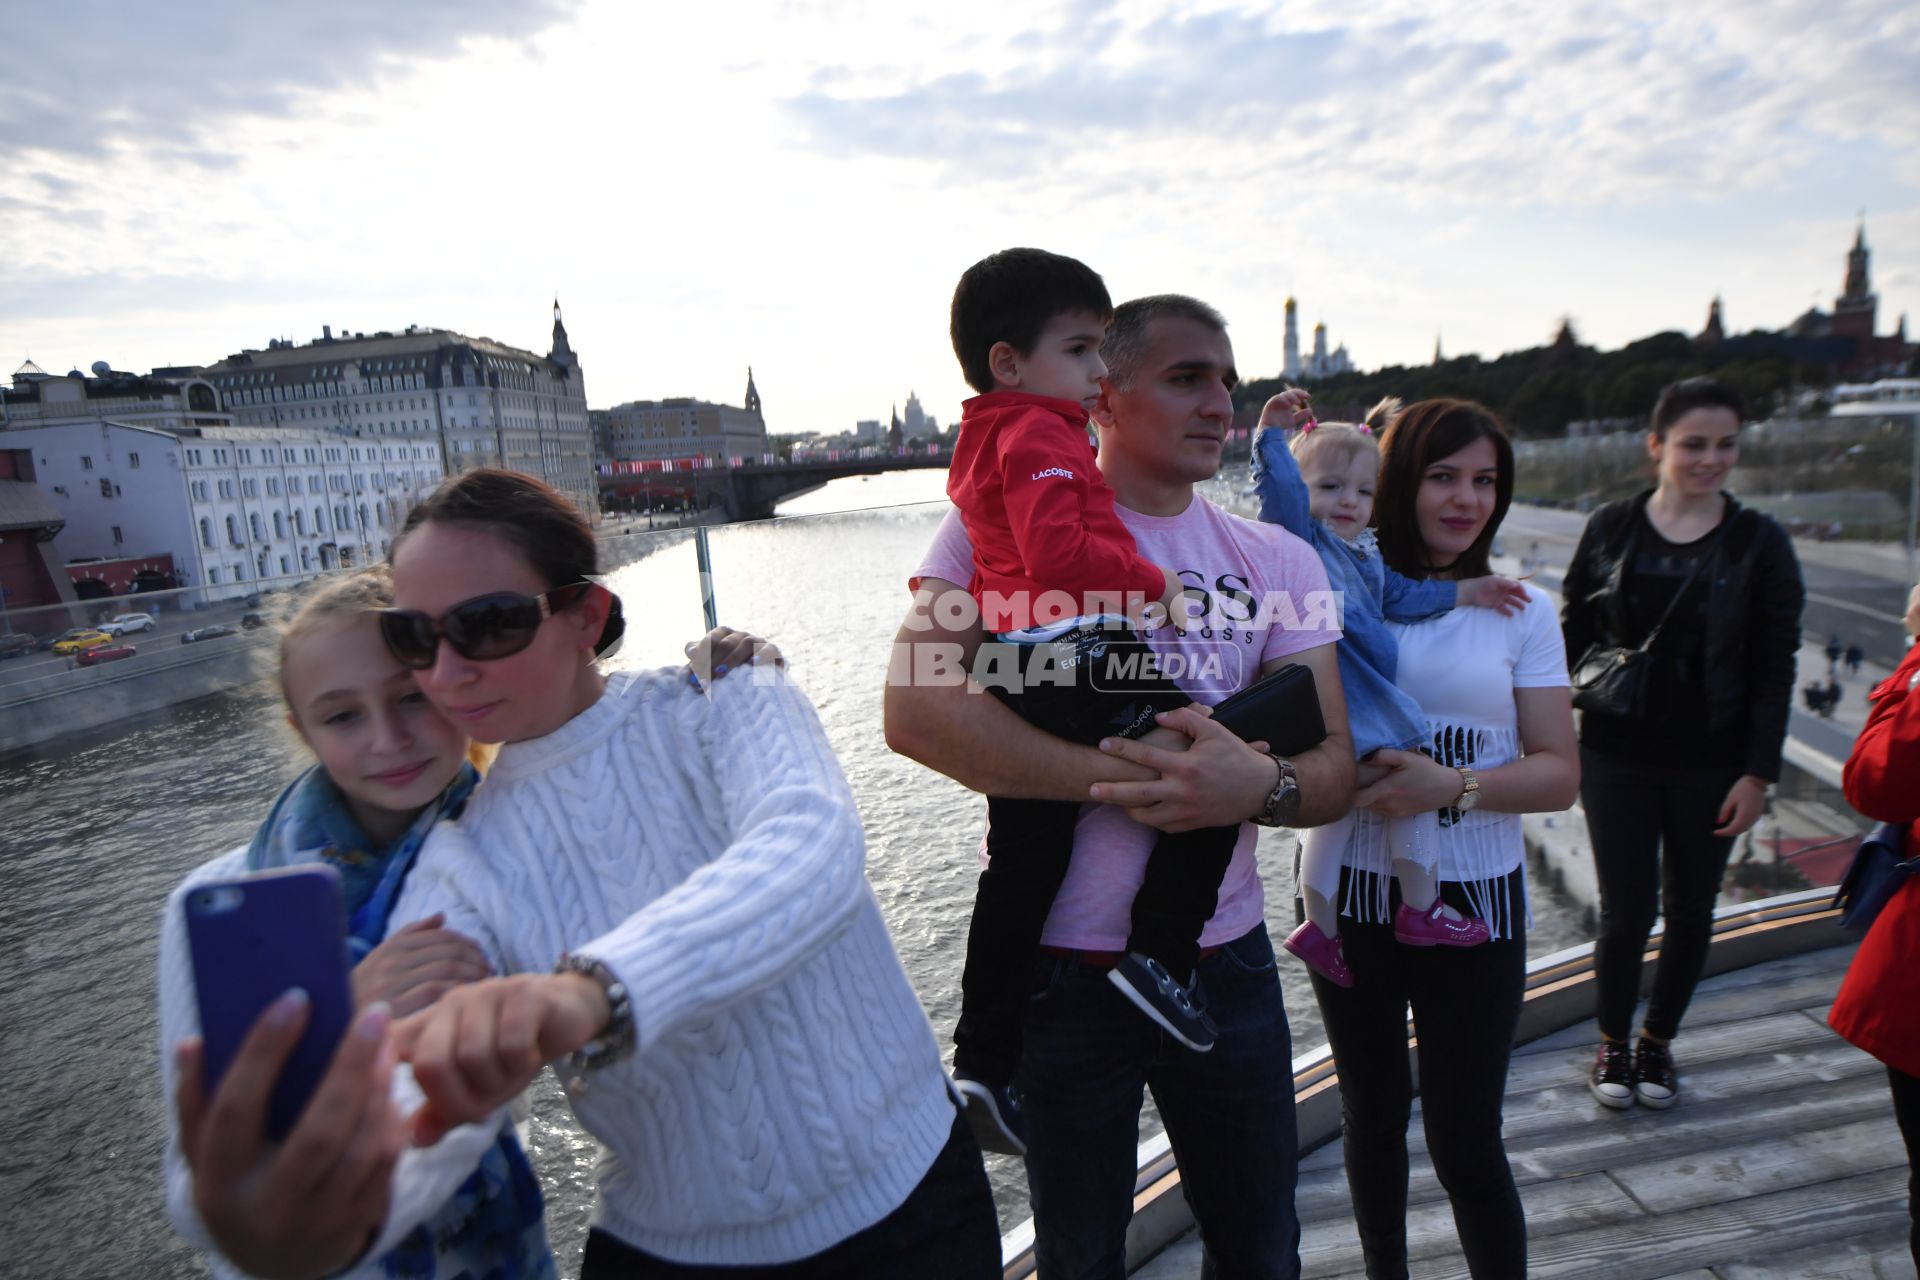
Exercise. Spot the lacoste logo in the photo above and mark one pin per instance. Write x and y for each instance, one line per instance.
(1062, 472)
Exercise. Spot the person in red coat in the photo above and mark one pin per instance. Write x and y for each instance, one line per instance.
(1879, 1003)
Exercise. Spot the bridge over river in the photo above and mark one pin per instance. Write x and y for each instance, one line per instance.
(750, 490)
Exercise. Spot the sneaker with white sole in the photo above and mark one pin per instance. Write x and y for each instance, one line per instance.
(1146, 982)
(1612, 1080)
(993, 1113)
(1655, 1082)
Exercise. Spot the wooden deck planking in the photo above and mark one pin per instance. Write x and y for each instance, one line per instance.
(1781, 1162)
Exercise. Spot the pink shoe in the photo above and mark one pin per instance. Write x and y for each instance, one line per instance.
(1321, 953)
(1435, 928)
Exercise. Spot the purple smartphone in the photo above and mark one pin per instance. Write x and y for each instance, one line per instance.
(253, 938)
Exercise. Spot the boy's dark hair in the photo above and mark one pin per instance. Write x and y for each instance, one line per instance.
(1419, 436)
(1010, 297)
(1683, 397)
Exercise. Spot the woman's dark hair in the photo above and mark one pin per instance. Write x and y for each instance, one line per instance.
(531, 517)
(1683, 397)
(1420, 435)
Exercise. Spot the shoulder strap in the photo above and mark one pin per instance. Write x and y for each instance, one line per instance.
(1707, 556)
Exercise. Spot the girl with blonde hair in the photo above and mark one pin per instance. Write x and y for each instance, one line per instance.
(388, 767)
(1320, 485)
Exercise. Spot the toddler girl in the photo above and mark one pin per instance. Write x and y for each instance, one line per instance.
(389, 766)
(1322, 490)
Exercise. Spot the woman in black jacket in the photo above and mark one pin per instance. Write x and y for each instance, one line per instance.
(1668, 786)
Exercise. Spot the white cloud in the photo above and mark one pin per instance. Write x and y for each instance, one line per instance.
(797, 185)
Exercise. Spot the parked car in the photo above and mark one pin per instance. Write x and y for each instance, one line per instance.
(81, 638)
(127, 624)
(105, 653)
(205, 633)
(249, 621)
(18, 643)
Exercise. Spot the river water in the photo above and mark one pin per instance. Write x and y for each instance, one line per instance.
(94, 834)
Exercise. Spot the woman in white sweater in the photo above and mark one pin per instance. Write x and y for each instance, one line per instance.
(1500, 744)
(674, 878)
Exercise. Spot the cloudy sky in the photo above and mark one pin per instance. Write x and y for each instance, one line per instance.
(797, 185)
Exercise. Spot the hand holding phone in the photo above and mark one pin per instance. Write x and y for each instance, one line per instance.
(253, 939)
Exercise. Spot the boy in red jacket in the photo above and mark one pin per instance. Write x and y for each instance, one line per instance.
(1060, 585)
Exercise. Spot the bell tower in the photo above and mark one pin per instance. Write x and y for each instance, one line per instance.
(1856, 310)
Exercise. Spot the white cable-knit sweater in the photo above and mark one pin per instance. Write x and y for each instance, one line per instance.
(787, 1090)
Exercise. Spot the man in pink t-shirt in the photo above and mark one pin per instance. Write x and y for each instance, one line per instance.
(1163, 413)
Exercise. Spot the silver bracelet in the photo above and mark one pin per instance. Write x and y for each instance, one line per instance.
(615, 1042)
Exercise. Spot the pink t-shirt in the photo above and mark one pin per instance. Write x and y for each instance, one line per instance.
(1266, 597)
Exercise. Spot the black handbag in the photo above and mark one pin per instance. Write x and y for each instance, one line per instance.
(1878, 871)
(1612, 679)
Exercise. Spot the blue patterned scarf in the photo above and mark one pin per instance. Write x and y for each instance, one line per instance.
(491, 1228)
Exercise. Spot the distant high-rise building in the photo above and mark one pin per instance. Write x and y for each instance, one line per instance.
(1438, 356)
(915, 422)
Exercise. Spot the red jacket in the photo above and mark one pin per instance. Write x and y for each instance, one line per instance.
(1879, 1003)
(1039, 514)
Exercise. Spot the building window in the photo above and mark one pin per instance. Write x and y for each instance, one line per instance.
(133, 461)
(279, 526)
(206, 532)
(106, 487)
(233, 531)
(254, 521)
(117, 539)
(86, 462)
(213, 576)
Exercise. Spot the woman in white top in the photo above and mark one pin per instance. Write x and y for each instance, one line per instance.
(673, 880)
(1494, 692)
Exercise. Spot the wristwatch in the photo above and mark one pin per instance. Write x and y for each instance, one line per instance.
(615, 1042)
(1283, 802)
(1469, 790)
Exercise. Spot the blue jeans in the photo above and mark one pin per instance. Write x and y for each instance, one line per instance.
(1229, 1113)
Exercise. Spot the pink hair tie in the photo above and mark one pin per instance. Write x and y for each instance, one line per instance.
(1311, 423)
(1365, 430)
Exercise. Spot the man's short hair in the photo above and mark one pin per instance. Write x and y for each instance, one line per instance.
(1011, 297)
(1126, 343)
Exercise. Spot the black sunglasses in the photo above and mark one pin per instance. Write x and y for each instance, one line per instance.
(481, 629)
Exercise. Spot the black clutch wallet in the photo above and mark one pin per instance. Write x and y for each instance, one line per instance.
(1282, 709)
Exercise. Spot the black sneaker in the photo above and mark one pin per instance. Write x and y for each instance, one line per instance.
(1654, 1080)
(1146, 982)
(993, 1113)
(1612, 1079)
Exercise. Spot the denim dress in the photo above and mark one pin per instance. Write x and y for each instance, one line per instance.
(1371, 595)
